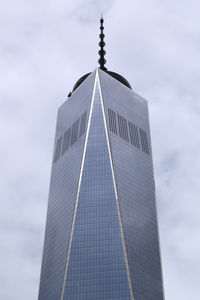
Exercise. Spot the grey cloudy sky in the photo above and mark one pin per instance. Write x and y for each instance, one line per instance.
(45, 46)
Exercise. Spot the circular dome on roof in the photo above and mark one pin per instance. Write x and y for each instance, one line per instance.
(80, 81)
(113, 74)
(119, 78)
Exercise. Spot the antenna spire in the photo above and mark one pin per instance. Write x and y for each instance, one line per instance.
(102, 52)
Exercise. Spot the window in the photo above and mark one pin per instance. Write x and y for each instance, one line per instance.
(123, 128)
(133, 132)
(144, 141)
(83, 124)
(66, 140)
(58, 149)
(112, 121)
(74, 134)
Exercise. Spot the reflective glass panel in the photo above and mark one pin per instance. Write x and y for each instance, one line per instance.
(97, 268)
(133, 171)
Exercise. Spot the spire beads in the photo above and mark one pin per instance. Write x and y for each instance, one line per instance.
(102, 52)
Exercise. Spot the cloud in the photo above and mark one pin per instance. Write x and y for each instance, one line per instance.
(44, 48)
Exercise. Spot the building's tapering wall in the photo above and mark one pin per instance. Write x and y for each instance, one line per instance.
(133, 169)
(97, 268)
(63, 188)
(101, 239)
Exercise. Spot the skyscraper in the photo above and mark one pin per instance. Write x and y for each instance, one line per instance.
(101, 239)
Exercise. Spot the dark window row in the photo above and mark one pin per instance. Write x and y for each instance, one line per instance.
(123, 128)
(128, 131)
(112, 121)
(70, 136)
(144, 141)
(134, 137)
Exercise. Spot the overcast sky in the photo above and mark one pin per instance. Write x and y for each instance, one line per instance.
(45, 46)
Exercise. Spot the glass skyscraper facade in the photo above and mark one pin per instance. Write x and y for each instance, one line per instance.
(101, 239)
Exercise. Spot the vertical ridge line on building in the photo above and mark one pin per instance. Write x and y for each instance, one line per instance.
(78, 190)
(46, 216)
(116, 193)
(158, 232)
